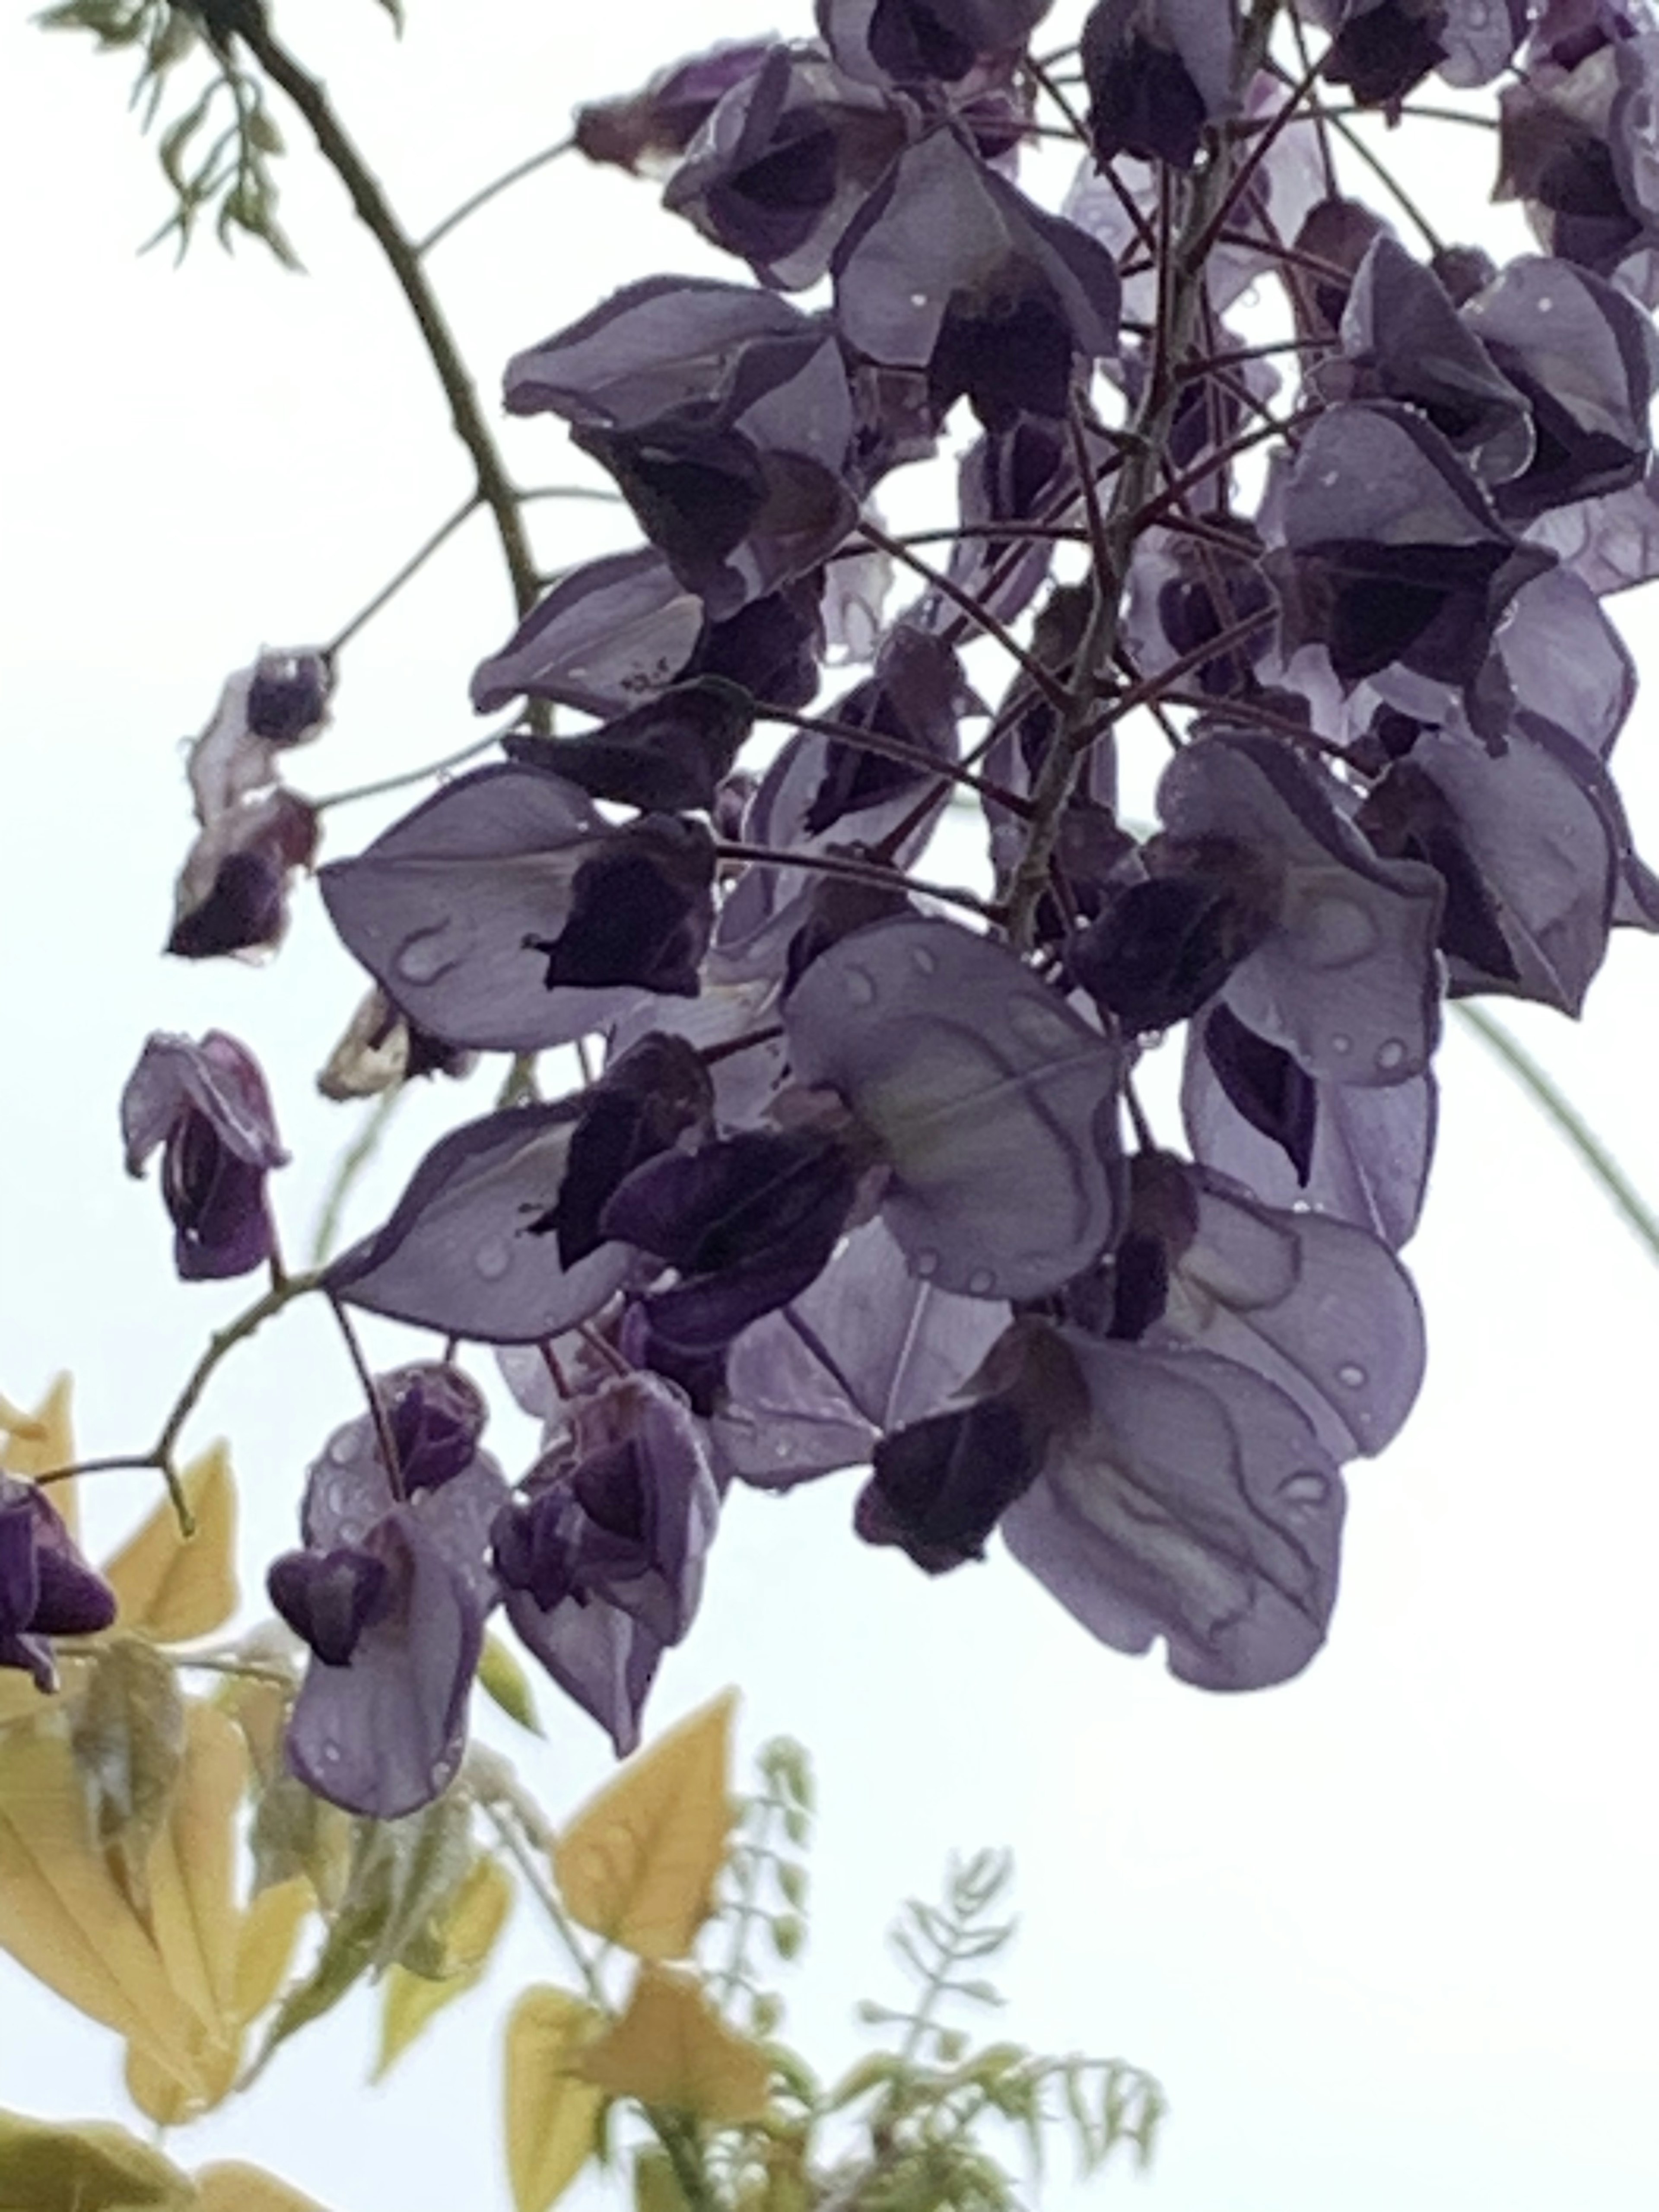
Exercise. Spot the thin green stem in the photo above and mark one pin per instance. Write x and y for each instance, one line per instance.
(1548, 1097)
(349, 1165)
(488, 193)
(541, 1888)
(411, 568)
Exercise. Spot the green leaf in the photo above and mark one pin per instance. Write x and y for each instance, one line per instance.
(128, 1739)
(502, 1678)
(639, 1862)
(93, 2168)
(552, 2115)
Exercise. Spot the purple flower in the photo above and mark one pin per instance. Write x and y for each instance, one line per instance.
(46, 1588)
(390, 1592)
(1193, 1501)
(470, 1247)
(948, 270)
(653, 125)
(1158, 72)
(1381, 48)
(920, 42)
(601, 1556)
(784, 163)
(992, 1105)
(1344, 977)
(206, 1105)
(482, 913)
(724, 414)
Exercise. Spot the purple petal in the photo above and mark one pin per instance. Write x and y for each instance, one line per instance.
(469, 1249)
(992, 1104)
(1198, 1504)
(607, 637)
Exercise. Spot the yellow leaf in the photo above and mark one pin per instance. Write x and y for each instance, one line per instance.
(38, 1443)
(92, 2167)
(265, 1945)
(175, 1586)
(411, 2001)
(551, 2115)
(671, 2048)
(192, 1871)
(230, 2186)
(638, 1863)
(61, 1915)
(163, 2097)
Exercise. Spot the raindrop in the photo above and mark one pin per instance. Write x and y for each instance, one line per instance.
(925, 1264)
(492, 1259)
(860, 987)
(918, 298)
(1351, 1375)
(331, 1754)
(1391, 1053)
(1330, 477)
(1545, 305)
(1308, 1488)
(1335, 933)
(981, 1283)
(423, 959)
(1340, 1043)
(342, 1448)
(923, 961)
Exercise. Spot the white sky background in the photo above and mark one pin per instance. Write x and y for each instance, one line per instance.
(1387, 1935)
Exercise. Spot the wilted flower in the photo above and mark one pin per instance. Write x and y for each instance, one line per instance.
(206, 1105)
(46, 1588)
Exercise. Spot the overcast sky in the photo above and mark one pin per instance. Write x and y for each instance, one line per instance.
(1387, 1934)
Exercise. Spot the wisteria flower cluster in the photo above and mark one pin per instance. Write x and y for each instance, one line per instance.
(1250, 472)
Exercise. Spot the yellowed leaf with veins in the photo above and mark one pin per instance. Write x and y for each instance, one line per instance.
(551, 2113)
(639, 1861)
(87, 2168)
(411, 2001)
(62, 1916)
(229, 2186)
(174, 1587)
(671, 2048)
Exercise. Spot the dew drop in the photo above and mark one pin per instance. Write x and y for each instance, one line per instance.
(860, 987)
(981, 1283)
(492, 1259)
(1309, 1487)
(1330, 477)
(925, 1264)
(1391, 1053)
(1335, 933)
(1545, 305)
(341, 1448)
(918, 298)
(1351, 1375)
(923, 961)
(331, 1754)
(423, 959)
(1341, 1044)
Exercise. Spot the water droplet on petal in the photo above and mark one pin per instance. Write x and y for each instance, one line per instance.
(423, 958)
(918, 298)
(331, 1754)
(860, 987)
(1335, 933)
(925, 1264)
(1340, 1043)
(1391, 1053)
(1308, 1487)
(923, 961)
(492, 1259)
(981, 1283)
(342, 1448)
(1545, 305)
(1351, 1375)
(1330, 477)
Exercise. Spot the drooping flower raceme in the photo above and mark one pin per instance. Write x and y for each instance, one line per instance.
(865, 1173)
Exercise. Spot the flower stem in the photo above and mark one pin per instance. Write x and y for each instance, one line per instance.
(1594, 1154)
(370, 202)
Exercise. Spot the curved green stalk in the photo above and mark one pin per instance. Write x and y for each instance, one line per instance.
(1572, 1124)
